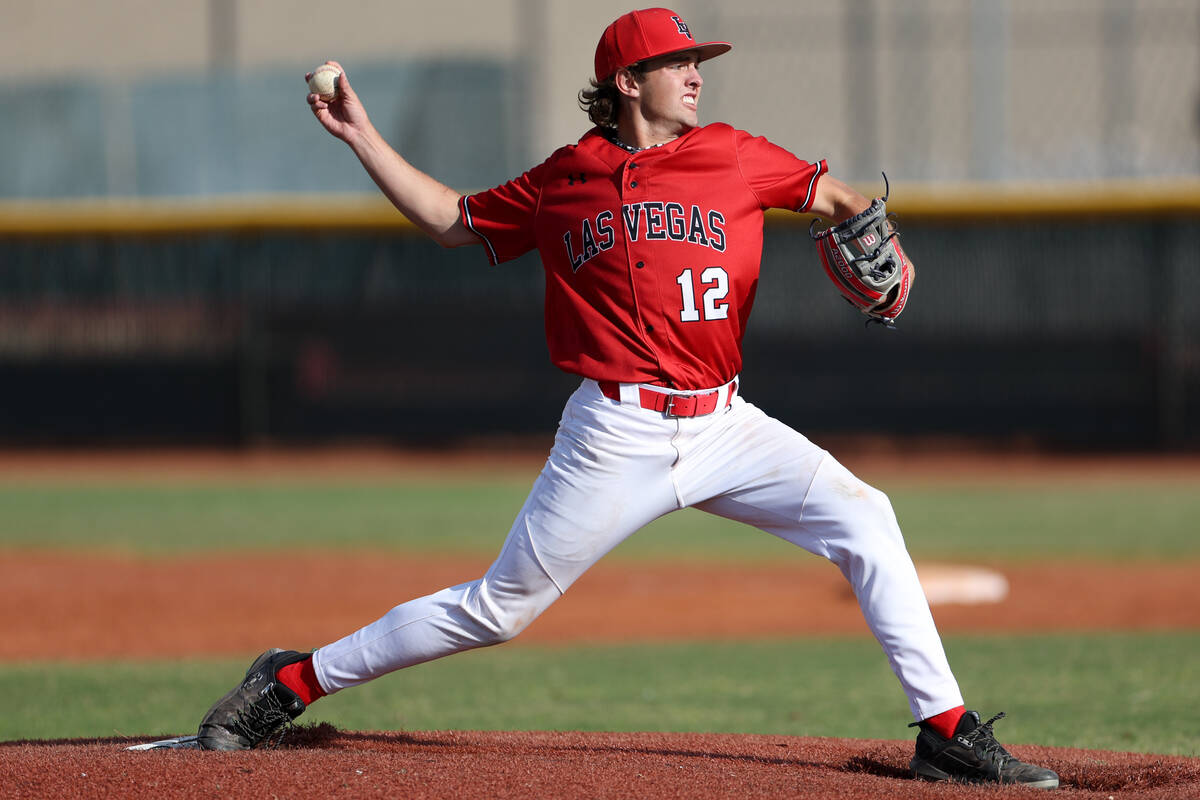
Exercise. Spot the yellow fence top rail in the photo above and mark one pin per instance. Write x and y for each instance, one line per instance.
(349, 212)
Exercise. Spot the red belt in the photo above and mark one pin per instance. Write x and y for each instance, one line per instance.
(673, 405)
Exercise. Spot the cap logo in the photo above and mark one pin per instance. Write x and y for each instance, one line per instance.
(683, 28)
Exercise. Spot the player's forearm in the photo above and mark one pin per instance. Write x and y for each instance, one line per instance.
(837, 201)
(429, 204)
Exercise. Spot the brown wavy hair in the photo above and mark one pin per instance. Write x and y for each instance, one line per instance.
(602, 101)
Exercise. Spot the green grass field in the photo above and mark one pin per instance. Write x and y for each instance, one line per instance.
(1102, 521)
(1116, 692)
(1119, 691)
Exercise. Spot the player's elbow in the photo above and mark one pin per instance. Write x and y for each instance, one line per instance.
(456, 235)
(450, 242)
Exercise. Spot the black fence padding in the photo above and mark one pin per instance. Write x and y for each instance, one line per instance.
(1077, 334)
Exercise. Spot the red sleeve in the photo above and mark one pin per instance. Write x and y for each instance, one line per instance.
(778, 178)
(503, 217)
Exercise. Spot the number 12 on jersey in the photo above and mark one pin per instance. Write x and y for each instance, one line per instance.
(714, 308)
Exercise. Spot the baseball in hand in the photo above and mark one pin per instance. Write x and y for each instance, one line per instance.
(324, 82)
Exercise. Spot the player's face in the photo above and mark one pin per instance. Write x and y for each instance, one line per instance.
(670, 93)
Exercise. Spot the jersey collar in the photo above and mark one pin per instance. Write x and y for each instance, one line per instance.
(597, 141)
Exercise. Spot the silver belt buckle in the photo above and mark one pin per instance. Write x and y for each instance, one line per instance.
(669, 409)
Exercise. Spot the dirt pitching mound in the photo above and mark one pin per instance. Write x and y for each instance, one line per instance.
(320, 761)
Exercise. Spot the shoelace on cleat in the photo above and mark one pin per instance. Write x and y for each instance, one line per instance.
(264, 723)
(986, 739)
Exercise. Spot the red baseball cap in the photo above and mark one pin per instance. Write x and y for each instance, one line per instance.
(648, 33)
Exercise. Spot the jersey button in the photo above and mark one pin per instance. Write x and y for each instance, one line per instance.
(633, 184)
(649, 329)
(640, 264)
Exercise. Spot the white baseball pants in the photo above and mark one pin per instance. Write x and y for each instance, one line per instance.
(614, 468)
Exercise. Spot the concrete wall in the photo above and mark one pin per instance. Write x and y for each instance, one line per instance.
(935, 90)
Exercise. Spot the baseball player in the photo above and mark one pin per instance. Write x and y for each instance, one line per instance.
(650, 231)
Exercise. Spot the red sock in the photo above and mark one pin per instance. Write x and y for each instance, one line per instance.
(946, 722)
(301, 678)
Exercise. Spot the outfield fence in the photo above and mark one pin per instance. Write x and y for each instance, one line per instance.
(1062, 318)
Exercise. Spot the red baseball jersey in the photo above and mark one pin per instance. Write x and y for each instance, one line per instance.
(651, 258)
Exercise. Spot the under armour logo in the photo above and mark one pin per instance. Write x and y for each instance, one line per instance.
(683, 28)
(571, 178)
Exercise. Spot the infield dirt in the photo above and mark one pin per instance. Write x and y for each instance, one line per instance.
(163, 612)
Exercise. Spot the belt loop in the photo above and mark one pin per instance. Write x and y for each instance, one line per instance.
(630, 394)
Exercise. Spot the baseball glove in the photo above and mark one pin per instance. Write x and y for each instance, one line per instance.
(863, 258)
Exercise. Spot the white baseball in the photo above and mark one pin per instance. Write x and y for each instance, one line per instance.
(324, 82)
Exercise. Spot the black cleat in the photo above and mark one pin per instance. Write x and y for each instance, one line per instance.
(973, 755)
(257, 711)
